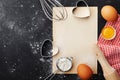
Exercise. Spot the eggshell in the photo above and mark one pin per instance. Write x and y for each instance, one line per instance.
(109, 13)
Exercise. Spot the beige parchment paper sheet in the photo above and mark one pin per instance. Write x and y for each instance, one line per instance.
(75, 38)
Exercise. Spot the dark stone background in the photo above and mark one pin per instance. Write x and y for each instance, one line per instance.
(23, 27)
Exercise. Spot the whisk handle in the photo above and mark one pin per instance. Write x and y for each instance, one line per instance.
(51, 75)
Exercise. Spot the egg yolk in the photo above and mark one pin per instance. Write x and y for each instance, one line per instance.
(108, 33)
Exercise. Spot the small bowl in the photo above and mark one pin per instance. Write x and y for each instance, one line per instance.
(64, 63)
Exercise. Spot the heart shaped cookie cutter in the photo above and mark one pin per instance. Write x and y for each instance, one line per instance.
(81, 12)
(50, 52)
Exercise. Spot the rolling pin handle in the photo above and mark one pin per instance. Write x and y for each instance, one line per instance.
(109, 72)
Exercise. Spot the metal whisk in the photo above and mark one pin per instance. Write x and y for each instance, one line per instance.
(60, 13)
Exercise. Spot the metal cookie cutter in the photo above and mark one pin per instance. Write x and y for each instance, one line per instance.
(47, 50)
(83, 12)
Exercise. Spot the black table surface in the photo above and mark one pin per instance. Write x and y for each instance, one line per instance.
(23, 27)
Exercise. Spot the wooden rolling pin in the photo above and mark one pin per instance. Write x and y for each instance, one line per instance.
(108, 72)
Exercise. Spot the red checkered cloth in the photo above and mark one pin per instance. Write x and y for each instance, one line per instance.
(111, 48)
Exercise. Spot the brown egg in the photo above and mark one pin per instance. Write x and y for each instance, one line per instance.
(109, 13)
(84, 71)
